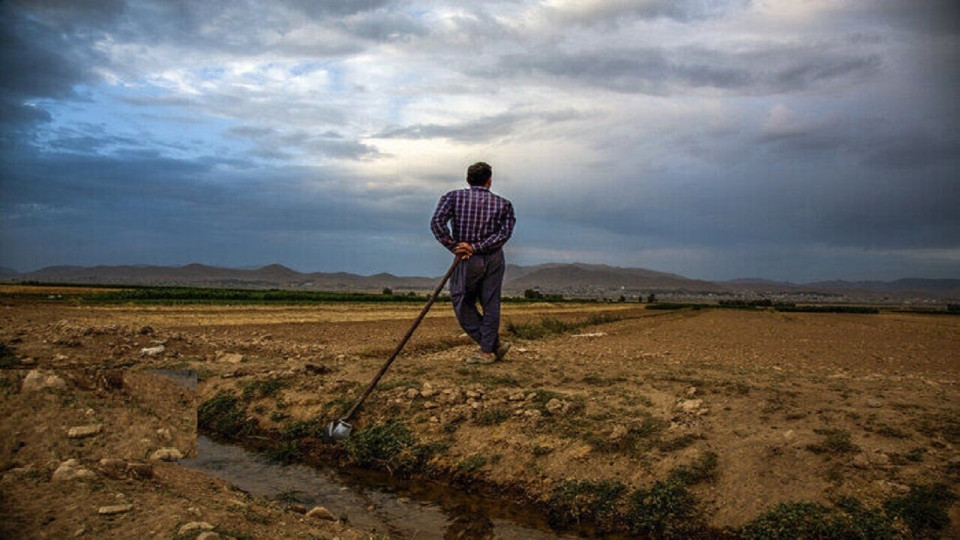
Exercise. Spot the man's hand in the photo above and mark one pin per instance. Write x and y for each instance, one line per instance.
(464, 250)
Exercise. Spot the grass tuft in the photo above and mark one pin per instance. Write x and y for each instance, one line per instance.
(386, 445)
(262, 388)
(573, 501)
(224, 416)
(493, 417)
(835, 441)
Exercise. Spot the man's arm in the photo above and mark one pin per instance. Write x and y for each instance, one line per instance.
(438, 224)
(506, 221)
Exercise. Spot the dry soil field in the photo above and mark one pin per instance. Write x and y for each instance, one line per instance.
(709, 423)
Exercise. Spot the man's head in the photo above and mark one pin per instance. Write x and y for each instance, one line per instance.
(479, 174)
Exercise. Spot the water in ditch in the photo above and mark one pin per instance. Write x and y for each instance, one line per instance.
(409, 509)
(374, 502)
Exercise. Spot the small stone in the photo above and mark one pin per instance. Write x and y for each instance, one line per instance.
(71, 470)
(874, 403)
(618, 433)
(412, 393)
(689, 405)
(429, 405)
(230, 358)
(518, 396)
(427, 392)
(208, 535)
(320, 512)
(473, 395)
(557, 406)
(692, 391)
(37, 380)
(114, 509)
(195, 526)
(164, 435)
(166, 454)
(80, 432)
(152, 351)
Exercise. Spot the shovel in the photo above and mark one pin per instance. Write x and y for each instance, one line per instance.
(340, 428)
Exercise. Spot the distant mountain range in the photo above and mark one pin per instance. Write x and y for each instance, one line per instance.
(573, 280)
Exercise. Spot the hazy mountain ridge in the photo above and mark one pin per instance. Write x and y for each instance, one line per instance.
(574, 279)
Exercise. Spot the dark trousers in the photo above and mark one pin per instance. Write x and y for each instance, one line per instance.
(479, 278)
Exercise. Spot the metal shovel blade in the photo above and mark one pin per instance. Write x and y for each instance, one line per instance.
(338, 430)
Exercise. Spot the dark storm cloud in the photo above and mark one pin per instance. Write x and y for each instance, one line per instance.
(763, 70)
(42, 58)
(96, 200)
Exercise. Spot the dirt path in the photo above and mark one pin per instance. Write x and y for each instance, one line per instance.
(734, 411)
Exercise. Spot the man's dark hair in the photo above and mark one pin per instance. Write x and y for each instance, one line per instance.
(479, 173)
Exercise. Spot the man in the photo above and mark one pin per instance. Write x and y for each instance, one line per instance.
(481, 224)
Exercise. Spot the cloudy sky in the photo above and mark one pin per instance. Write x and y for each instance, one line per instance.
(786, 139)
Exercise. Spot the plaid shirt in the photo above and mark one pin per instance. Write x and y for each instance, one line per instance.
(479, 217)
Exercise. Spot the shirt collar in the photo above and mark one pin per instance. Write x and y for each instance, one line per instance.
(484, 188)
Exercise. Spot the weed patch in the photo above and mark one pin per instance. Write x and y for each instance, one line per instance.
(493, 417)
(387, 445)
(573, 501)
(299, 429)
(702, 470)
(223, 415)
(262, 388)
(472, 464)
(814, 520)
(924, 509)
(665, 510)
(285, 452)
(835, 441)
(549, 326)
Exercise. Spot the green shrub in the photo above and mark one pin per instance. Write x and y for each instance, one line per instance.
(814, 520)
(665, 510)
(924, 509)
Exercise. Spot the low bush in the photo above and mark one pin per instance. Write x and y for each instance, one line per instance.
(924, 509)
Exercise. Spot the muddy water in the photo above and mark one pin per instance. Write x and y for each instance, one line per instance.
(401, 510)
